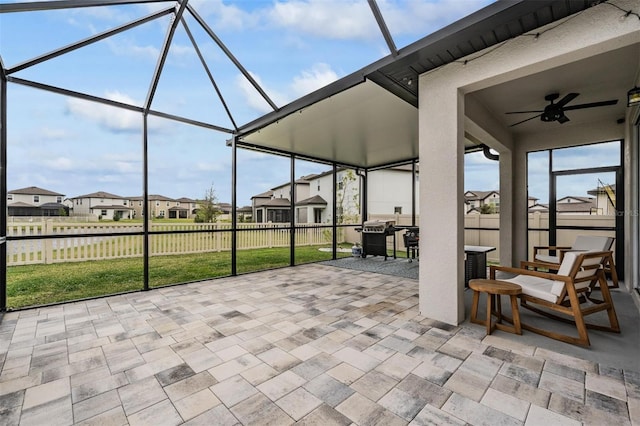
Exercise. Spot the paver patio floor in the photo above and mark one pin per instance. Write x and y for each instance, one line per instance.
(312, 344)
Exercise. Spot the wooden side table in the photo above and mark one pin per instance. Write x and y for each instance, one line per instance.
(494, 289)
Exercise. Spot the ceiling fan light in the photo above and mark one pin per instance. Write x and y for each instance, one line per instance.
(633, 96)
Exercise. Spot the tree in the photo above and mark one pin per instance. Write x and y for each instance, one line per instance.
(208, 210)
(348, 199)
(487, 209)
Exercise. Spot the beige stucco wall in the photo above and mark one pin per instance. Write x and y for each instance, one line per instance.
(442, 126)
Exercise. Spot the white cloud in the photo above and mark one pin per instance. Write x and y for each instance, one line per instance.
(110, 118)
(59, 163)
(253, 97)
(127, 47)
(318, 76)
(337, 19)
(225, 16)
(55, 134)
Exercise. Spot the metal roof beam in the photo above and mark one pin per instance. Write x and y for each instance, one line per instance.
(67, 4)
(383, 27)
(89, 40)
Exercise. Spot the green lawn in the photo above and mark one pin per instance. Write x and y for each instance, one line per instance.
(42, 284)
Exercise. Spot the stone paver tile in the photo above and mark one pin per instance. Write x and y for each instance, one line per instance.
(424, 390)
(520, 390)
(432, 373)
(234, 367)
(260, 373)
(196, 404)
(174, 374)
(558, 384)
(281, 385)
(606, 403)
(521, 374)
(401, 404)
(356, 358)
(233, 390)
(468, 385)
(56, 412)
(606, 385)
(481, 365)
(10, 415)
(509, 345)
(374, 385)
(231, 352)
(304, 352)
(345, 373)
(140, 395)
(47, 392)
(259, 410)
(565, 371)
(475, 413)
(398, 343)
(315, 366)
(567, 360)
(444, 361)
(113, 417)
(364, 411)
(183, 388)
(541, 416)
(324, 415)
(398, 366)
(21, 383)
(219, 416)
(201, 359)
(298, 403)
(97, 405)
(432, 416)
(162, 413)
(632, 383)
(279, 359)
(505, 403)
(328, 389)
(98, 386)
(584, 413)
(10, 400)
(634, 410)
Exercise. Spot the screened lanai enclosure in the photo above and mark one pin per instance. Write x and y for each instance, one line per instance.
(151, 143)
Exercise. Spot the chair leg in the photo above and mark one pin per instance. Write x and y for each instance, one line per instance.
(489, 309)
(611, 310)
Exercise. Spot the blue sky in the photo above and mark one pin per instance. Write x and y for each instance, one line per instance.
(290, 48)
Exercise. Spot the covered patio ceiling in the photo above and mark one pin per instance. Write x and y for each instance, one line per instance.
(369, 119)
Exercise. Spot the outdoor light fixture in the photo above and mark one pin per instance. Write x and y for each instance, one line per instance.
(633, 96)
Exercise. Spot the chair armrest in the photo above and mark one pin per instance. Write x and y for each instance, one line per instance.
(525, 264)
(521, 271)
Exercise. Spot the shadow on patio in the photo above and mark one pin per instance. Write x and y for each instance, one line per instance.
(313, 344)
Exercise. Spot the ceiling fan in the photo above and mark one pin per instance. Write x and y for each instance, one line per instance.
(555, 111)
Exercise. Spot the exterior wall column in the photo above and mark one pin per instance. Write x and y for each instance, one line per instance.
(441, 148)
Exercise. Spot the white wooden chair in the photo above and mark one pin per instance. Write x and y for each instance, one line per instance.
(563, 295)
(543, 259)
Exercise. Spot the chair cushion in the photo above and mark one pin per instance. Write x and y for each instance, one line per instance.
(535, 286)
(592, 243)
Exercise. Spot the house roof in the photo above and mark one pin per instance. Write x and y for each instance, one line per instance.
(277, 202)
(578, 198)
(99, 194)
(601, 189)
(267, 194)
(34, 190)
(111, 207)
(174, 208)
(316, 199)
(53, 206)
(21, 204)
(186, 200)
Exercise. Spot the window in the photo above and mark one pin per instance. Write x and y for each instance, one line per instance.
(103, 212)
(157, 203)
(36, 198)
(397, 210)
(340, 185)
(59, 199)
(124, 203)
(9, 197)
(168, 203)
(140, 203)
(161, 213)
(318, 186)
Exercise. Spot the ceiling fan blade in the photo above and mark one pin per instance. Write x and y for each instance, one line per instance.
(571, 96)
(563, 119)
(591, 105)
(530, 118)
(524, 112)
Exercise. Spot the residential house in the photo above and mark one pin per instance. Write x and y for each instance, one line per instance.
(570, 204)
(389, 192)
(605, 199)
(103, 205)
(34, 201)
(474, 200)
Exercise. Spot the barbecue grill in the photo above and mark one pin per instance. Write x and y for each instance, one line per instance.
(374, 237)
